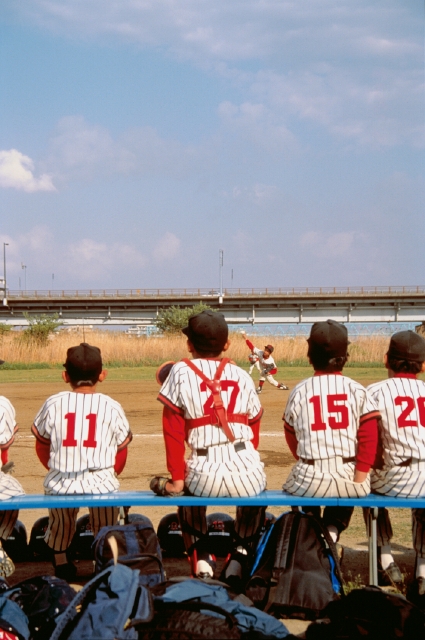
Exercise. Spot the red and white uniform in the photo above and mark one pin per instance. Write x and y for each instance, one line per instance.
(268, 366)
(401, 401)
(9, 486)
(254, 362)
(331, 428)
(216, 466)
(84, 431)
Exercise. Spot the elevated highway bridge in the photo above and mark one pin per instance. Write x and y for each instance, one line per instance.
(140, 307)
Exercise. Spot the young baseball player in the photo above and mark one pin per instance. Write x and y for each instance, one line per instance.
(9, 486)
(254, 363)
(331, 428)
(82, 438)
(267, 365)
(401, 401)
(211, 404)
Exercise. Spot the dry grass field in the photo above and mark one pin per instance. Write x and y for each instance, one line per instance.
(121, 349)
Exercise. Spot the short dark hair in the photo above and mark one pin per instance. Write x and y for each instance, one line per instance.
(83, 364)
(404, 366)
(321, 362)
(208, 332)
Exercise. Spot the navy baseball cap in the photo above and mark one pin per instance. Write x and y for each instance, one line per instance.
(407, 345)
(207, 331)
(84, 358)
(329, 337)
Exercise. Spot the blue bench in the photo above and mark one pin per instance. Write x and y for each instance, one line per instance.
(267, 498)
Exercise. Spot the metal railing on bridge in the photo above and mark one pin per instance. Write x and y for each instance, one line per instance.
(212, 293)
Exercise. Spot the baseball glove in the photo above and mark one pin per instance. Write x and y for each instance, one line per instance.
(8, 467)
(157, 485)
(163, 371)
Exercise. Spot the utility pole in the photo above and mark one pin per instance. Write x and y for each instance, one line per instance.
(24, 267)
(5, 244)
(221, 262)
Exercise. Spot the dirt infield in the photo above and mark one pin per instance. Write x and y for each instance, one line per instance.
(146, 458)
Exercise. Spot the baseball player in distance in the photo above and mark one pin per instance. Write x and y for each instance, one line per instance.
(223, 441)
(267, 365)
(9, 487)
(331, 428)
(401, 401)
(81, 438)
(254, 363)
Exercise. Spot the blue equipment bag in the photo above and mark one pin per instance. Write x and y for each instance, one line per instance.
(107, 608)
(138, 548)
(296, 570)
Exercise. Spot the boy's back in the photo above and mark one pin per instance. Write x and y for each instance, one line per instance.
(325, 412)
(84, 430)
(401, 402)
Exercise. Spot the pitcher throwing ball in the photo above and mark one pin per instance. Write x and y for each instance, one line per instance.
(267, 365)
(211, 404)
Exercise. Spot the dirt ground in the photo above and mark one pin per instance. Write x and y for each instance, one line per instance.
(146, 458)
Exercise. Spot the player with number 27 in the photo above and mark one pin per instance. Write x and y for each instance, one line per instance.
(81, 438)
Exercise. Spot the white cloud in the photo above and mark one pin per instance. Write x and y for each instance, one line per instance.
(89, 259)
(17, 172)
(79, 149)
(167, 248)
(330, 246)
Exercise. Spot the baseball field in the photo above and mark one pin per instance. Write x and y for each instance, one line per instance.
(136, 389)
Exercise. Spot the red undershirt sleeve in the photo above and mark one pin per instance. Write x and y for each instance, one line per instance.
(120, 460)
(4, 456)
(367, 437)
(291, 439)
(42, 450)
(173, 426)
(250, 345)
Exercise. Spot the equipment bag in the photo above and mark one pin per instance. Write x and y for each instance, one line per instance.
(138, 548)
(369, 613)
(42, 599)
(191, 609)
(107, 608)
(296, 570)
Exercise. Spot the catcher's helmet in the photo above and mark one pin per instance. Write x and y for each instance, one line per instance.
(82, 541)
(170, 536)
(38, 549)
(16, 545)
(220, 534)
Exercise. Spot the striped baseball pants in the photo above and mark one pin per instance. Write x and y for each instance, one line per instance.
(62, 524)
(7, 522)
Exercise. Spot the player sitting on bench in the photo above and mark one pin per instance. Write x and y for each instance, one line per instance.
(221, 424)
(81, 437)
(331, 429)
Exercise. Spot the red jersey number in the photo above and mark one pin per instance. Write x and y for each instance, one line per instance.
(409, 405)
(225, 386)
(70, 440)
(335, 405)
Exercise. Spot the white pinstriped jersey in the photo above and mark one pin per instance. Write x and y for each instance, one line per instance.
(84, 431)
(9, 486)
(401, 402)
(185, 391)
(7, 422)
(325, 412)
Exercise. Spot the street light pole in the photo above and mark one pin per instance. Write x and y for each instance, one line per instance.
(5, 244)
(24, 267)
(221, 262)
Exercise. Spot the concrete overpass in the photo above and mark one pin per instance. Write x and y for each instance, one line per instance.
(140, 307)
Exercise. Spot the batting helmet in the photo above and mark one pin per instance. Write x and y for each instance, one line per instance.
(82, 540)
(16, 545)
(220, 534)
(170, 536)
(38, 549)
(132, 518)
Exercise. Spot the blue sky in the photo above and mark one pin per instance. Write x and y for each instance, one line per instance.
(140, 137)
